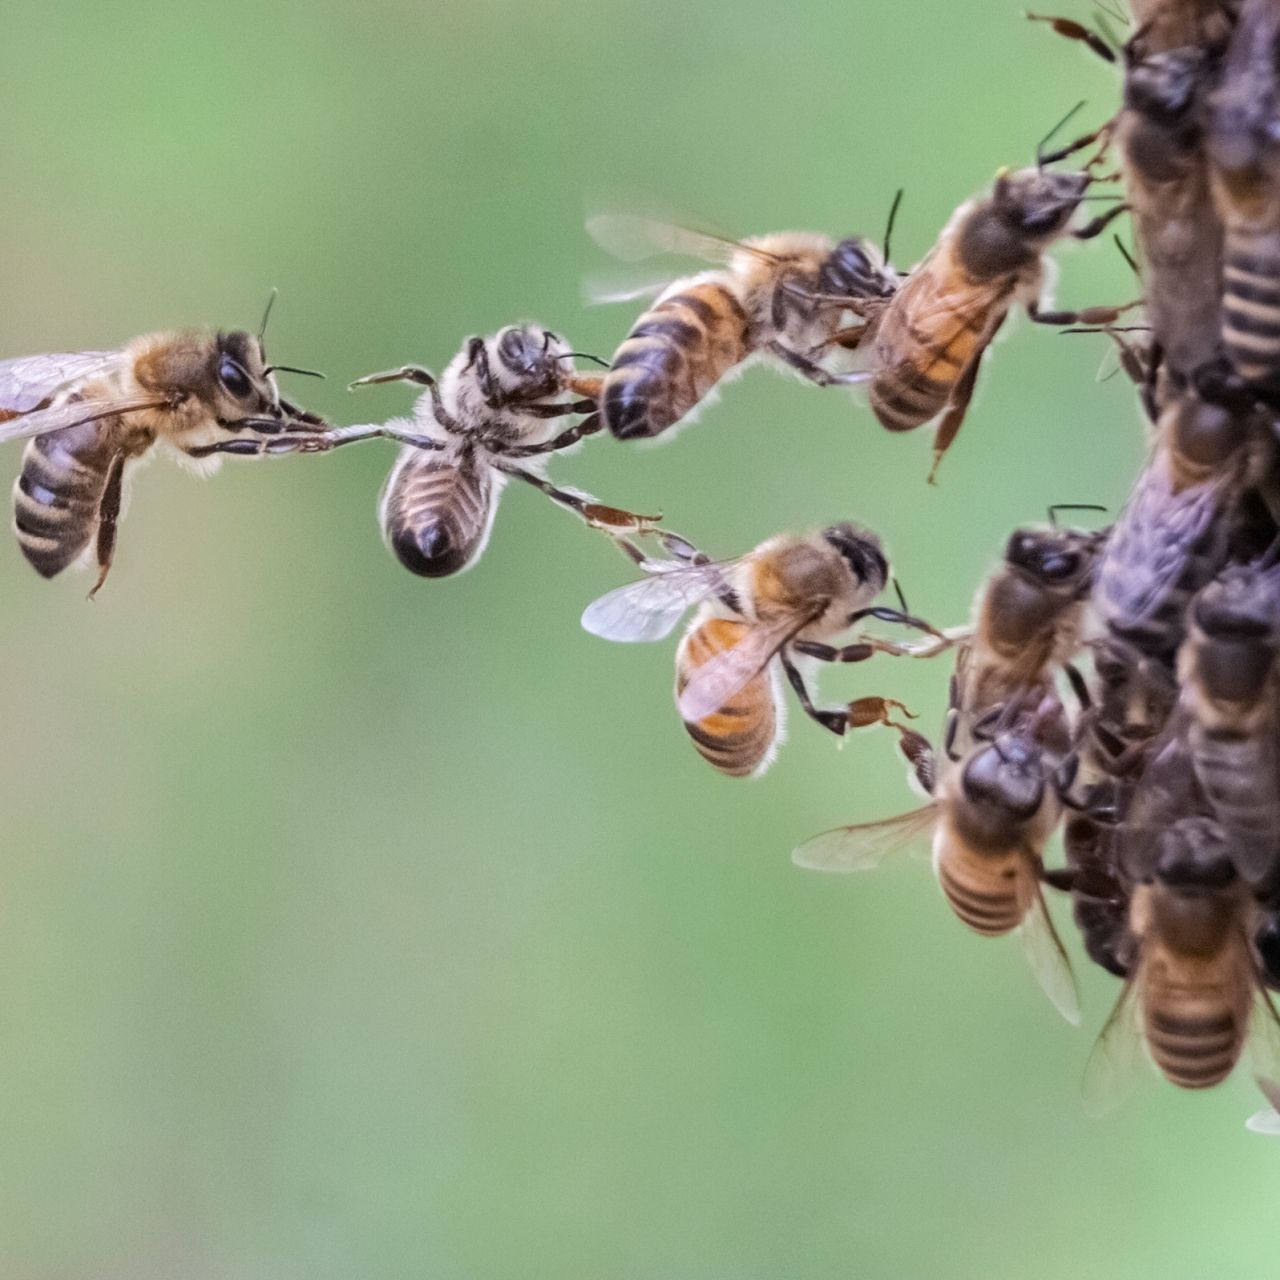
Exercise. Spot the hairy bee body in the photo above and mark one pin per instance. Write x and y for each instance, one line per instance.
(190, 392)
(741, 737)
(437, 510)
(674, 355)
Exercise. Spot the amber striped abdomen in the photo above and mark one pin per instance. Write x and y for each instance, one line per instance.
(981, 888)
(675, 353)
(738, 738)
(1251, 302)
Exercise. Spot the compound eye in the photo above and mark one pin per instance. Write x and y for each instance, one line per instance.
(1037, 223)
(514, 349)
(1056, 568)
(233, 377)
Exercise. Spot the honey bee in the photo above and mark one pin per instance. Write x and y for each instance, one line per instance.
(780, 297)
(1194, 980)
(1027, 619)
(990, 818)
(1245, 175)
(928, 339)
(87, 416)
(1229, 670)
(1160, 137)
(1174, 534)
(490, 416)
(786, 600)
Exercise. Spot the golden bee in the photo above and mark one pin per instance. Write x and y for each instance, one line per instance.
(928, 339)
(783, 297)
(490, 416)
(88, 416)
(1194, 977)
(990, 817)
(774, 608)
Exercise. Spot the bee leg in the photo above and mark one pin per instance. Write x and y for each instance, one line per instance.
(1078, 686)
(815, 373)
(919, 754)
(423, 378)
(949, 735)
(108, 516)
(314, 441)
(885, 614)
(861, 713)
(829, 653)
(1099, 316)
(587, 427)
(1073, 30)
(835, 721)
(1098, 225)
(957, 407)
(558, 410)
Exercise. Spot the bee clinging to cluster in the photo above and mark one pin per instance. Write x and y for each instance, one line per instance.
(1118, 685)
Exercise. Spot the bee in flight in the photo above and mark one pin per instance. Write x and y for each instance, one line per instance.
(775, 607)
(87, 416)
(491, 415)
(782, 297)
(927, 340)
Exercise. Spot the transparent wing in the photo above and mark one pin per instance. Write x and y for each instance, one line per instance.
(72, 414)
(1116, 1061)
(1045, 952)
(866, 844)
(631, 237)
(1268, 1120)
(649, 609)
(1152, 541)
(714, 684)
(27, 382)
(604, 289)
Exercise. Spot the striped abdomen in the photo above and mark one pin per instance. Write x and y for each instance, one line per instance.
(739, 737)
(981, 888)
(1251, 302)
(1195, 1034)
(673, 356)
(923, 343)
(1237, 772)
(57, 494)
(436, 511)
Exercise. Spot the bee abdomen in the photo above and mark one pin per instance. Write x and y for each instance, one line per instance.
(1194, 1050)
(984, 909)
(673, 356)
(55, 501)
(1237, 775)
(738, 738)
(1251, 303)
(436, 514)
(906, 399)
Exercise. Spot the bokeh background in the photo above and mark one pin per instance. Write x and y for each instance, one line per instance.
(358, 925)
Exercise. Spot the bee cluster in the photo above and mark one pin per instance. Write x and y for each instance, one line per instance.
(1122, 685)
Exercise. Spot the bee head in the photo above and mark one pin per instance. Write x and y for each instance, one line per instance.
(1057, 557)
(1007, 775)
(860, 549)
(854, 268)
(526, 360)
(1038, 203)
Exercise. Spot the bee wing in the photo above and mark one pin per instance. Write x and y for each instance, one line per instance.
(649, 609)
(865, 844)
(1045, 952)
(72, 414)
(1116, 1059)
(714, 684)
(1157, 531)
(1267, 1120)
(631, 237)
(604, 289)
(29, 381)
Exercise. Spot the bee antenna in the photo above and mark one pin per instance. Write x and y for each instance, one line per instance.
(1127, 256)
(585, 355)
(897, 586)
(893, 213)
(1048, 137)
(288, 368)
(266, 315)
(1072, 506)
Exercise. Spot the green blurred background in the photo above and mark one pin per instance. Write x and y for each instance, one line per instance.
(354, 925)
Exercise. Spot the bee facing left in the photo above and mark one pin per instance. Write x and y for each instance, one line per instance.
(89, 415)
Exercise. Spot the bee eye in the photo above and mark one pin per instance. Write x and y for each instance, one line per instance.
(1056, 568)
(234, 378)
